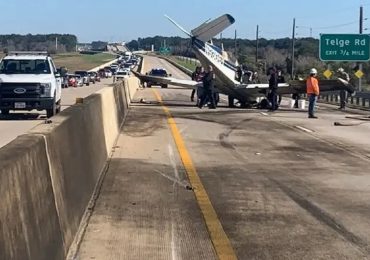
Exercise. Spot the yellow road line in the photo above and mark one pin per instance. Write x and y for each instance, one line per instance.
(220, 241)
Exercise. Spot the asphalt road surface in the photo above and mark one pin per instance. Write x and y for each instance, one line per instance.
(186, 183)
(18, 123)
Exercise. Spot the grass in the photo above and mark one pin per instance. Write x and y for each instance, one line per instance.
(189, 64)
(76, 61)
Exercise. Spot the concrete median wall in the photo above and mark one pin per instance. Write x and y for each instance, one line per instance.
(29, 224)
(49, 175)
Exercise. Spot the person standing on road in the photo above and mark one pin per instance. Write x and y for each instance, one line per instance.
(343, 93)
(280, 79)
(208, 86)
(273, 85)
(196, 76)
(313, 91)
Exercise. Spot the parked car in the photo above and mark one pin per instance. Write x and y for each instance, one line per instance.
(85, 76)
(158, 72)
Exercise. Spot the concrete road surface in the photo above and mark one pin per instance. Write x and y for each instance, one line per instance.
(18, 123)
(186, 183)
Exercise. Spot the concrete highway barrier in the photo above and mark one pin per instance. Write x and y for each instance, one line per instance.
(29, 224)
(48, 176)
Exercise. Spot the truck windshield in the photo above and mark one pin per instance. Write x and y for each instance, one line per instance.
(10, 66)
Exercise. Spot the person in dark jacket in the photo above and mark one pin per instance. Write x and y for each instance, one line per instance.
(280, 79)
(196, 76)
(343, 93)
(209, 89)
(273, 85)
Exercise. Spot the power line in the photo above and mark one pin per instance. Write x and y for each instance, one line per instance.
(327, 27)
(335, 26)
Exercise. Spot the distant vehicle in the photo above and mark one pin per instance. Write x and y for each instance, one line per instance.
(101, 73)
(79, 80)
(29, 80)
(157, 72)
(85, 75)
(95, 76)
(71, 79)
(108, 72)
(129, 64)
(122, 74)
(62, 71)
(91, 77)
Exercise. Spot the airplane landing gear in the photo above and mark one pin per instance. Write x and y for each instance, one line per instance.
(231, 101)
(264, 104)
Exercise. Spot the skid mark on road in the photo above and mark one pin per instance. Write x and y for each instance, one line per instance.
(324, 217)
(220, 241)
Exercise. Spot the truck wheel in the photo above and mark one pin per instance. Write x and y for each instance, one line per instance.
(164, 86)
(87, 84)
(52, 111)
(5, 112)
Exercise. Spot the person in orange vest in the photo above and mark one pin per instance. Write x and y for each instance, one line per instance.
(313, 91)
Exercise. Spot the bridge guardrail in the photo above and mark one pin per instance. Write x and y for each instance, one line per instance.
(359, 100)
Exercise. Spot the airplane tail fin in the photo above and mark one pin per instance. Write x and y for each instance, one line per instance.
(208, 30)
(178, 26)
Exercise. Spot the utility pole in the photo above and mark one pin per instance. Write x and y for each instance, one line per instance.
(235, 52)
(56, 44)
(311, 32)
(293, 43)
(257, 45)
(361, 29)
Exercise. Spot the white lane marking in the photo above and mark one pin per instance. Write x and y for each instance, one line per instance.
(173, 163)
(264, 114)
(304, 129)
(173, 241)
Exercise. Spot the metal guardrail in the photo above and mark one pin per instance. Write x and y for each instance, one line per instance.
(183, 69)
(359, 100)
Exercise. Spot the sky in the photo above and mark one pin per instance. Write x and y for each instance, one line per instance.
(122, 20)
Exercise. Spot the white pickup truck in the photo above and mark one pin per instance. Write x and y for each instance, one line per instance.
(29, 80)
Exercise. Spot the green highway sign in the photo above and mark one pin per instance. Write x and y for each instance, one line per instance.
(344, 47)
(164, 50)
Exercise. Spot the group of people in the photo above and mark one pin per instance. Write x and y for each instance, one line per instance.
(207, 94)
(245, 75)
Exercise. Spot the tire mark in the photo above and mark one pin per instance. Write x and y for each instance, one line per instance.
(324, 217)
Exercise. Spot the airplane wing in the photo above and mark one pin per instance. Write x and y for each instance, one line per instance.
(185, 83)
(292, 87)
(296, 87)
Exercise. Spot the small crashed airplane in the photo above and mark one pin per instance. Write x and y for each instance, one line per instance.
(245, 93)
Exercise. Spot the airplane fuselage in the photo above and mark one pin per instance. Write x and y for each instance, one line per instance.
(224, 70)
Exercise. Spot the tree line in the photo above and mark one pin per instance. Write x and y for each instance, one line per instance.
(38, 42)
